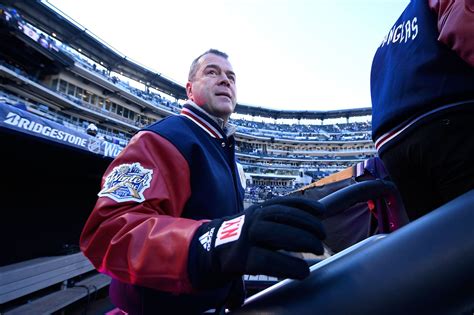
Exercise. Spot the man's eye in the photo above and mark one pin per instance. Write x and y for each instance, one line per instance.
(212, 72)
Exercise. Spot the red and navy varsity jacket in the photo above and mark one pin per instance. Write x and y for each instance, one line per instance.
(172, 177)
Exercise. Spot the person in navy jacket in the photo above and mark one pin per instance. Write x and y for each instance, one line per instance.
(422, 86)
(169, 225)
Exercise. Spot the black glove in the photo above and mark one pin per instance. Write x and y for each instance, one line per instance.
(248, 243)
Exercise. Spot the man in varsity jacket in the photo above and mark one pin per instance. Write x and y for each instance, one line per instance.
(169, 225)
(422, 86)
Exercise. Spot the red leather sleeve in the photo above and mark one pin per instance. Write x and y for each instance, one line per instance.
(456, 26)
(145, 243)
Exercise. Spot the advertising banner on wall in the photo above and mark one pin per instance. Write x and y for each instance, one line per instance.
(20, 120)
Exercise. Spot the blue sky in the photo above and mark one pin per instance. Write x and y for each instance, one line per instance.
(287, 54)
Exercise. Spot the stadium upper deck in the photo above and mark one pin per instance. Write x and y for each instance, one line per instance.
(49, 19)
(74, 78)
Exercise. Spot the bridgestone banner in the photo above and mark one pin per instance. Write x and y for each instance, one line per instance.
(17, 119)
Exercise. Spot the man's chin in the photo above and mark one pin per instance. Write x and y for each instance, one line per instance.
(224, 113)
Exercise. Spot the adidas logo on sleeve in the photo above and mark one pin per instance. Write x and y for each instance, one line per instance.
(206, 239)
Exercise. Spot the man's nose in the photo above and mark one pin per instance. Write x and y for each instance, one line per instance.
(223, 79)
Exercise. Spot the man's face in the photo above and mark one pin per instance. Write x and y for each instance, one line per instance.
(213, 86)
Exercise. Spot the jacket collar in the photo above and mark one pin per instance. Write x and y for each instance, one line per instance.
(214, 126)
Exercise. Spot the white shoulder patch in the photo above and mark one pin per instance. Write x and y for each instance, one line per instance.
(127, 182)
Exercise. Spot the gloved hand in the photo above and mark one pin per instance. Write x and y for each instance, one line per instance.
(248, 243)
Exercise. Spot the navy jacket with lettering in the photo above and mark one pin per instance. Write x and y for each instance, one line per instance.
(414, 73)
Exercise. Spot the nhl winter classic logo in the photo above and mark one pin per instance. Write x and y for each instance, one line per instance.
(127, 182)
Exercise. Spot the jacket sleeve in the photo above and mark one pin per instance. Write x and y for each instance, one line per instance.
(456, 26)
(135, 234)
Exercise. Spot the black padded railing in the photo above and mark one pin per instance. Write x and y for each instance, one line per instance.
(425, 267)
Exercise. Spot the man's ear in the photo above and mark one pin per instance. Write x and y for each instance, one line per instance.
(189, 90)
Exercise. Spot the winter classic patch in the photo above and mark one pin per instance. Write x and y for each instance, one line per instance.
(127, 182)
